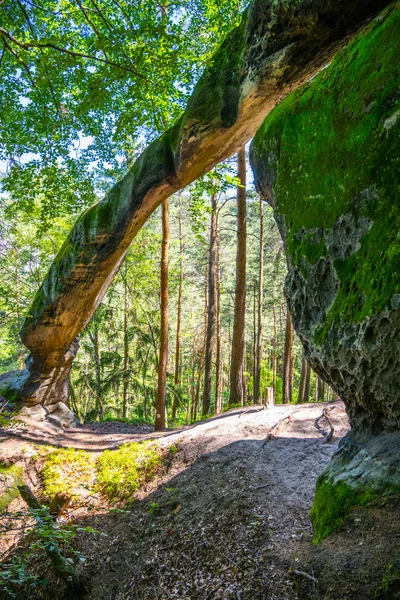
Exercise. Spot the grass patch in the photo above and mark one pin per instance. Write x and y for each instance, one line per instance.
(116, 474)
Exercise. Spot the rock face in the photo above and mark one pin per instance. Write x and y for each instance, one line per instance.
(277, 45)
(328, 160)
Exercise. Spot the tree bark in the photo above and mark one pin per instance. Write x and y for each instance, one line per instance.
(274, 354)
(287, 362)
(126, 348)
(304, 385)
(212, 307)
(236, 393)
(94, 337)
(179, 311)
(162, 363)
(218, 359)
(257, 388)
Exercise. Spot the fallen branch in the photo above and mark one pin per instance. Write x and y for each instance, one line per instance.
(249, 410)
(297, 573)
(327, 436)
(62, 567)
(275, 427)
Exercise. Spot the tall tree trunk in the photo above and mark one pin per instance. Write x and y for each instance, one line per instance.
(304, 384)
(307, 384)
(212, 307)
(236, 392)
(254, 340)
(126, 348)
(257, 390)
(319, 392)
(162, 363)
(274, 354)
(321, 389)
(179, 310)
(97, 363)
(287, 362)
(218, 360)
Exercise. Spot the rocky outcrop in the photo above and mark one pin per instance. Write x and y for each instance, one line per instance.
(328, 160)
(275, 48)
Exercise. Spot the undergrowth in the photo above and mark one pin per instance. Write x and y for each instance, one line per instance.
(116, 474)
(122, 472)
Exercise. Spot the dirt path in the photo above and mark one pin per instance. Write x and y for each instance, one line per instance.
(229, 519)
(225, 521)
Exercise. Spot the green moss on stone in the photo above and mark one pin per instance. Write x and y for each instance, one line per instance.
(333, 148)
(13, 476)
(334, 501)
(217, 92)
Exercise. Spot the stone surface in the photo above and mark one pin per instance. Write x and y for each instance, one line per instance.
(328, 160)
(13, 382)
(35, 413)
(61, 415)
(276, 47)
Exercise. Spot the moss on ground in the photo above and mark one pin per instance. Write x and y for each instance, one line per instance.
(122, 472)
(13, 475)
(334, 501)
(68, 471)
(333, 148)
(117, 474)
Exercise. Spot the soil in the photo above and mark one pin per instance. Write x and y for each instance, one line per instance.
(230, 519)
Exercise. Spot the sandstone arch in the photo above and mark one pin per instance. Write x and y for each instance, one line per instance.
(278, 45)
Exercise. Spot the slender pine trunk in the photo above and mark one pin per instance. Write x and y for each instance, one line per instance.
(218, 360)
(274, 354)
(257, 390)
(211, 308)
(288, 361)
(179, 311)
(162, 363)
(236, 393)
(125, 398)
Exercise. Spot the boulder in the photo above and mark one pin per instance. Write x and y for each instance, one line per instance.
(328, 160)
(60, 414)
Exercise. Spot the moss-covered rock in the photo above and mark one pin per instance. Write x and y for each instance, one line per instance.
(328, 160)
(364, 470)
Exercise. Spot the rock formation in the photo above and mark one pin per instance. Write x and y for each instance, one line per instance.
(277, 46)
(328, 160)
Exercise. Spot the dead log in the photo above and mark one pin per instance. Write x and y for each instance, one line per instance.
(62, 567)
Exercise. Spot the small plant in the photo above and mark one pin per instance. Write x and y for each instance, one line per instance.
(14, 473)
(15, 574)
(154, 508)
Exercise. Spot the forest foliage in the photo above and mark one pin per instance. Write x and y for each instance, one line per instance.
(84, 87)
